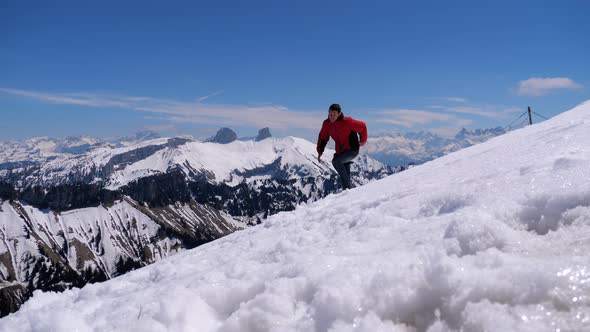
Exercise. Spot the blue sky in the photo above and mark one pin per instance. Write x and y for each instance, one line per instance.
(112, 68)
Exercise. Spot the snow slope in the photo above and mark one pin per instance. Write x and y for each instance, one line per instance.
(495, 237)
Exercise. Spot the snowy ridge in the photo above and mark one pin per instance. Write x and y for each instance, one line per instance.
(225, 162)
(230, 163)
(87, 167)
(43, 148)
(500, 243)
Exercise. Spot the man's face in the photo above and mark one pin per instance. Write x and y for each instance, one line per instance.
(333, 115)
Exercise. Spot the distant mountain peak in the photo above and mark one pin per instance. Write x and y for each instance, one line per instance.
(470, 133)
(140, 136)
(224, 136)
(145, 135)
(397, 149)
(263, 134)
(41, 148)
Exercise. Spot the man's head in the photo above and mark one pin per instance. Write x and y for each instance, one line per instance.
(334, 112)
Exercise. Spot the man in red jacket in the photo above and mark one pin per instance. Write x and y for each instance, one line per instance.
(343, 130)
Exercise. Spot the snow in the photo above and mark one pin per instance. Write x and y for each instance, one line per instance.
(80, 226)
(40, 149)
(230, 164)
(223, 160)
(495, 237)
(405, 148)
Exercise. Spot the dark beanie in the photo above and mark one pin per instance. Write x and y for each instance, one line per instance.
(335, 107)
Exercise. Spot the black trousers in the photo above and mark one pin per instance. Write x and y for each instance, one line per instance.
(342, 163)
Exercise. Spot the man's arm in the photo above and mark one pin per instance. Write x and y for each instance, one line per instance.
(361, 128)
(323, 139)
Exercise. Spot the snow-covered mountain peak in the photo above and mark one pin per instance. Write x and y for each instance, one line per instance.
(224, 159)
(493, 237)
(133, 139)
(477, 134)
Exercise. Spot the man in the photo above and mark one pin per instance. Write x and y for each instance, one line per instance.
(343, 130)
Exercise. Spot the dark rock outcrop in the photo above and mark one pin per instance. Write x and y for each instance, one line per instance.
(224, 136)
(68, 196)
(7, 191)
(263, 134)
(12, 296)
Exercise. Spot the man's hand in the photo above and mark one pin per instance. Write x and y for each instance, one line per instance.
(319, 157)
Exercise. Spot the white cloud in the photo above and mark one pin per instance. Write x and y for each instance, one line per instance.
(538, 86)
(273, 116)
(160, 128)
(455, 99)
(411, 118)
(451, 99)
(475, 111)
(445, 131)
(487, 111)
(463, 123)
(69, 99)
(446, 122)
(216, 93)
(453, 128)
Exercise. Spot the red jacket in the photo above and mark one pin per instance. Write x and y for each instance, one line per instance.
(344, 132)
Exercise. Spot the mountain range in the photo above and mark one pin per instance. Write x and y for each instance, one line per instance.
(81, 210)
(418, 148)
(39, 149)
